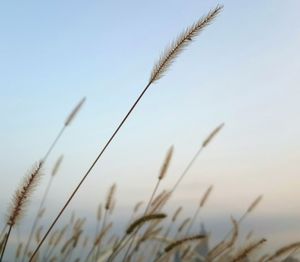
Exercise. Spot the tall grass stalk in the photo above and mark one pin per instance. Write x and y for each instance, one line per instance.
(165, 61)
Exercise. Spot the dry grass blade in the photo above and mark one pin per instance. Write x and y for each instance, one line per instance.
(166, 163)
(177, 46)
(212, 135)
(183, 241)
(137, 223)
(74, 112)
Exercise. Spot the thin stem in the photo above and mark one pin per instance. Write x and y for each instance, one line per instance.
(118, 248)
(3, 231)
(242, 218)
(54, 143)
(102, 228)
(5, 243)
(146, 210)
(89, 170)
(193, 220)
(35, 222)
(187, 169)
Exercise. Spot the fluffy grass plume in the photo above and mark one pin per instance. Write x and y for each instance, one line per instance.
(183, 241)
(205, 196)
(164, 168)
(178, 45)
(110, 196)
(23, 193)
(140, 221)
(254, 204)
(57, 165)
(74, 112)
(211, 136)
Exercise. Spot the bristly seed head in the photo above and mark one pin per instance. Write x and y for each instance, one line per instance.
(23, 194)
(166, 163)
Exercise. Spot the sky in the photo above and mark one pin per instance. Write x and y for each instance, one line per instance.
(242, 70)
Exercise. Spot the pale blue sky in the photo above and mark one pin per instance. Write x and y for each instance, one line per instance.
(243, 70)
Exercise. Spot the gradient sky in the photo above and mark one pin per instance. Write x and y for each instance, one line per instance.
(243, 70)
